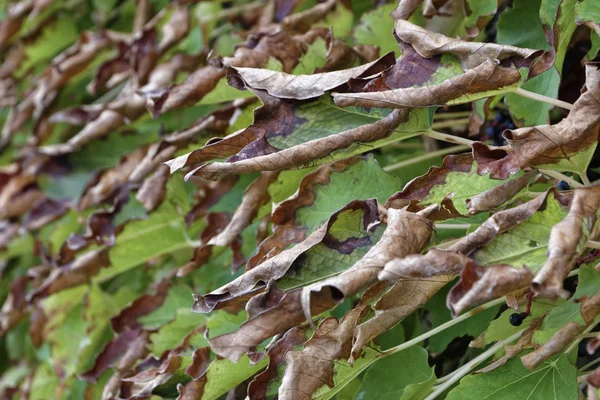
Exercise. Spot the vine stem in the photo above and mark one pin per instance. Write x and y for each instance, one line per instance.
(448, 138)
(584, 179)
(465, 369)
(588, 365)
(424, 157)
(587, 330)
(452, 226)
(450, 123)
(562, 177)
(450, 115)
(452, 322)
(592, 244)
(544, 99)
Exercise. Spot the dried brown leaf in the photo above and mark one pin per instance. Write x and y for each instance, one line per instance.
(567, 242)
(486, 67)
(255, 53)
(590, 308)
(79, 271)
(404, 298)
(480, 284)
(301, 87)
(303, 154)
(547, 144)
(254, 197)
(406, 233)
(258, 387)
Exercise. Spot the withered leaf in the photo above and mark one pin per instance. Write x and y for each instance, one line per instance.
(277, 266)
(301, 87)
(255, 196)
(306, 154)
(402, 299)
(406, 233)
(458, 188)
(567, 242)
(484, 69)
(565, 145)
(590, 308)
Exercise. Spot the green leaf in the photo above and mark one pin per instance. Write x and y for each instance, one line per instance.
(315, 57)
(587, 11)
(525, 244)
(163, 232)
(44, 384)
(557, 17)
(376, 28)
(347, 241)
(56, 35)
(480, 12)
(527, 112)
(223, 375)
(360, 181)
(521, 26)
(501, 328)
(569, 311)
(344, 373)
(388, 378)
(462, 185)
(169, 335)
(311, 125)
(555, 379)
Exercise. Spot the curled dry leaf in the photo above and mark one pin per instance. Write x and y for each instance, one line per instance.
(255, 196)
(45, 211)
(276, 267)
(302, 87)
(255, 53)
(566, 146)
(258, 388)
(453, 259)
(404, 297)
(480, 70)
(18, 195)
(458, 188)
(480, 284)
(287, 217)
(64, 67)
(79, 271)
(590, 308)
(306, 154)
(406, 233)
(567, 242)
(128, 106)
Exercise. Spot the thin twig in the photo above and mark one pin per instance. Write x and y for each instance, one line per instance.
(452, 226)
(442, 327)
(450, 115)
(561, 177)
(450, 123)
(424, 157)
(448, 138)
(592, 244)
(581, 336)
(465, 369)
(543, 99)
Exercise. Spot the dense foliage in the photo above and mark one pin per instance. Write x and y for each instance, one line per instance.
(299, 199)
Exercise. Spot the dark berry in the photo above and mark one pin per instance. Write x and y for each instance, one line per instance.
(562, 185)
(515, 319)
(499, 118)
(490, 132)
(499, 141)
